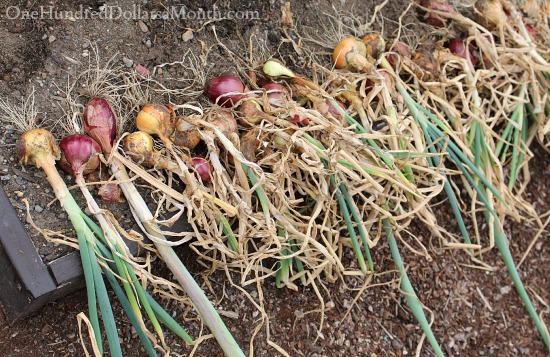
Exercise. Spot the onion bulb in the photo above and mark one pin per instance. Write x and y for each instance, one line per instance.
(156, 119)
(437, 5)
(100, 123)
(458, 47)
(375, 44)
(109, 192)
(139, 146)
(35, 146)
(186, 135)
(398, 52)
(218, 88)
(278, 94)
(350, 53)
(224, 121)
(491, 13)
(79, 154)
(203, 168)
(427, 67)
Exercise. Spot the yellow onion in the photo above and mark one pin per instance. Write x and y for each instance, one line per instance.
(218, 90)
(140, 147)
(79, 154)
(491, 13)
(376, 44)
(224, 121)
(35, 146)
(100, 123)
(156, 119)
(350, 53)
(186, 135)
(252, 112)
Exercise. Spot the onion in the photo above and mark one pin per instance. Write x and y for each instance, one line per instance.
(156, 119)
(279, 94)
(438, 5)
(79, 154)
(252, 112)
(400, 51)
(109, 192)
(350, 53)
(218, 88)
(37, 145)
(186, 135)
(274, 68)
(426, 63)
(375, 44)
(458, 47)
(140, 147)
(491, 13)
(249, 144)
(203, 168)
(100, 123)
(224, 121)
(332, 111)
(298, 119)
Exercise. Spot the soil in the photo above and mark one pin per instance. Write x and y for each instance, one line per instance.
(475, 312)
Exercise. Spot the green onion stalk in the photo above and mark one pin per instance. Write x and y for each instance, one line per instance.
(100, 123)
(38, 147)
(80, 156)
(436, 132)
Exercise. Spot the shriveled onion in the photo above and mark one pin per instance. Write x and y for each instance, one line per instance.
(186, 135)
(350, 53)
(375, 43)
(438, 5)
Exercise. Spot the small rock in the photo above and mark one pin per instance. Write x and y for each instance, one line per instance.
(62, 216)
(142, 26)
(51, 38)
(5, 178)
(127, 62)
(19, 194)
(397, 344)
(187, 35)
(87, 211)
(44, 36)
(71, 18)
(85, 45)
(148, 43)
(38, 208)
(505, 289)
(19, 180)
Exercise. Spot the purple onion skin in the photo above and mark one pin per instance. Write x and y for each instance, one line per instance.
(100, 123)
(279, 95)
(80, 154)
(203, 168)
(437, 5)
(221, 85)
(458, 47)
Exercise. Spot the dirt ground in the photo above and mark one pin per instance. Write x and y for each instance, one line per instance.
(475, 312)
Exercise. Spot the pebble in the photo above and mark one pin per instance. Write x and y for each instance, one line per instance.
(188, 35)
(87, 211)
(44, 36)
(38, 208)
(397, 344)
(51, 38)
(142, 26)
(148, 43)
(19, 194)
(19, 180)
(5, 178)
(127, 62)
(62, 216)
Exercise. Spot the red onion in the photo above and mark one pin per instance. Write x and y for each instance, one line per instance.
(427, 66)
(80, 154)
(298, 119)
(100, 123)
(279, 94)
(458, 47)
(217, 90)
(438, 5)
(400, 51)
(203, 168)
(110, 192)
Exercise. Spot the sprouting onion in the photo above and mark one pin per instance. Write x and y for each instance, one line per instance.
(80, 153)
(38, 147)
(100, 116)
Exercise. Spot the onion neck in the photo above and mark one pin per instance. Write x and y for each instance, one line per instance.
(47, 163)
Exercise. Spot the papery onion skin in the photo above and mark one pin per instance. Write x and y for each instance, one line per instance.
(348, 53)
(401, 51)
(427, 65)
(278, 94)
(186, 134)
(110, 192)
(438, 5)
(139, 146)
(37, 145)
(376, 44)
(100, 123)
(224, 121)
(458, 47)
(216, 90)
(156, 119)
(203, 168)
(490, 13)
(80, 154)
